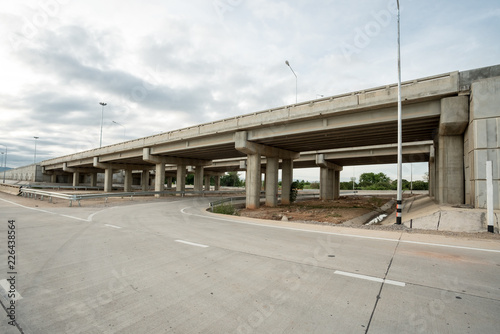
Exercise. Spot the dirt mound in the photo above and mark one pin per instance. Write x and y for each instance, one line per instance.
(325, 211)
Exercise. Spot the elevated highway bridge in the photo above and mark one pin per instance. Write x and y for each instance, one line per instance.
(452, 120)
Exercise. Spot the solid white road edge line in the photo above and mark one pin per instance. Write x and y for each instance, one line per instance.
(191, 243)
(370, 278)
(44, 211)
(341, 234)
(5, 285)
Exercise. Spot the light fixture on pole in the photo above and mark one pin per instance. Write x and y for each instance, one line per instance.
(288, 64)
(400, 137)
(5, 162)
(102, 119)
(124, 129)
(34, 158)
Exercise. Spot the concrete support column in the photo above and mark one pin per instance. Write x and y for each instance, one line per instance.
(53, 178)
(169, 182)
(272, 167)
(452, 124)
(93, 180)
(253, 181)
(181, 178)
(108, 180)
(286, 180)
(207, 182)
(336, 184)
(451, 170)
(432, 173)
(217, 183)
(198, 178)
(127, 184)
(159, 178)
(76, 179)
(326, 183)
(145, 180)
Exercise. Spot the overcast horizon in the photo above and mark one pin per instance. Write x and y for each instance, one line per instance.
(165, 65)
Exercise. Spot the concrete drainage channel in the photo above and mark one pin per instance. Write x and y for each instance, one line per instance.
(373, 217)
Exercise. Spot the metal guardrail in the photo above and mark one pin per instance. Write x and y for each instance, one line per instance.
(34, 193)
(44, 186)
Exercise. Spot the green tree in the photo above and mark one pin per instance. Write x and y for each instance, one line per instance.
(367, 180)
(190, 179)
(231, 179)
(347, 185)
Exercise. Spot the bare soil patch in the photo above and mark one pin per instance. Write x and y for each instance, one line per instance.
(324, 211)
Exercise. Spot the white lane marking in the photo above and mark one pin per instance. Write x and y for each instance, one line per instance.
(370, 278)
(341, 234)
(6, 287)
(44, 211)
(113, 226)
(191, 243)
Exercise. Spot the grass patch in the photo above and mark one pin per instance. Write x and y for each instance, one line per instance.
(225, 209)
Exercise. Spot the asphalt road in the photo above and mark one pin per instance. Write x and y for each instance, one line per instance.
(168, 266)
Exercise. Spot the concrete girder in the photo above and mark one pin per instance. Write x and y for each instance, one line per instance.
(81, 170)
(104, 165)
(148, 156)
(427, 109)
(243, 145)
(321, 162)
(182, 143)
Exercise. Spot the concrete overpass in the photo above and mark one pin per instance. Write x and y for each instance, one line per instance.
(457, 111)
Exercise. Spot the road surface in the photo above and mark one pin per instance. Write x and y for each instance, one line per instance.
(167, 266)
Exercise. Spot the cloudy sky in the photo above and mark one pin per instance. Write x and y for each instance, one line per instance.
(164, 65)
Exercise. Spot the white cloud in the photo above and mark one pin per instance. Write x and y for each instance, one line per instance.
(162, 65)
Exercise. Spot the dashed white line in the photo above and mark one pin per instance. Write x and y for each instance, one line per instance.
(191, 243)
(113, 226)
(370, 278)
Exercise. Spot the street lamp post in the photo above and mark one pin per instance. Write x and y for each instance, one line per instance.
(34, 158)
(400, 137)
(296, 84)
(124, 128)
(5, 162)
(102, 119)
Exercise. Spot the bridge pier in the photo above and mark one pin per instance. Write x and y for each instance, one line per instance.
(145, 179)
(253, 181)
(217, 183)
(108, 180)
(432, 173)
(159, 177)
(207, 182)
(450, 149)
(272, 165)
(198, 178)
(329, 185)
(76, 179)
(127, 184)
(286, 180)
(93, 179)
(180, 183)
